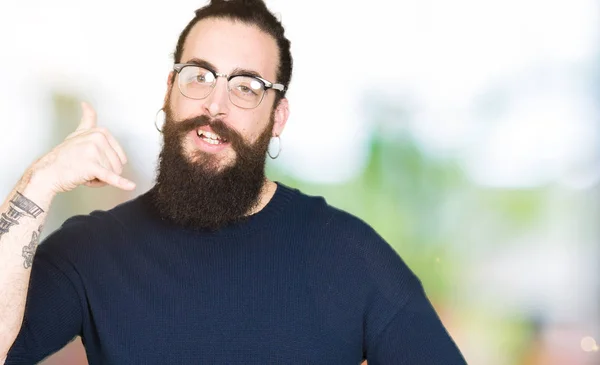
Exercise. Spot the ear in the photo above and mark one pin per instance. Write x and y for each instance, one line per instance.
(170, 81)
(281, 114)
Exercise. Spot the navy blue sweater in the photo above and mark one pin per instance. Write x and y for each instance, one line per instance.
(300, 282)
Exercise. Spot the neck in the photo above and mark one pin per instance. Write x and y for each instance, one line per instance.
(267, 191)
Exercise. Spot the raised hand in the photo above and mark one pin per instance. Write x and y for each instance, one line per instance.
(89, 156)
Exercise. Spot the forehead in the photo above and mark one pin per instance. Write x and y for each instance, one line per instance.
(229, 44)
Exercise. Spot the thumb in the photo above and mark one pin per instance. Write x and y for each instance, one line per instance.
(88, 119)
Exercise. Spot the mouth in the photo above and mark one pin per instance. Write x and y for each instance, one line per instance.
(208, 141)
(210, 137)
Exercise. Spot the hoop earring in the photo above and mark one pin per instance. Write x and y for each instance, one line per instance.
(278, 151)
(159, 129)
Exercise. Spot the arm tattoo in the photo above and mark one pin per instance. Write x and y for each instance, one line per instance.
(29, 250)
(19, 207)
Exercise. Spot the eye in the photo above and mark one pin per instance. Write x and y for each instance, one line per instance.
(245, 89)
(204, 78)
(197, 75)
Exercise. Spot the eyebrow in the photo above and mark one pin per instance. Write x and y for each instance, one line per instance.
(246, 72)
(236, 72)
(202, 63)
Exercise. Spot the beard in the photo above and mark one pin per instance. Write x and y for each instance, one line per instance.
(200, 192)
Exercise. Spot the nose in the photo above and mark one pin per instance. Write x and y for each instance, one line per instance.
(216, 103)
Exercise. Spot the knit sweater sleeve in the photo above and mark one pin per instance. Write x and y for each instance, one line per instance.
(53, 312)
(401, 326)
(414, 335)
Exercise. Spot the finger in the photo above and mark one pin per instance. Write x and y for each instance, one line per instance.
(112, 160)
(117, 147)
(113, 179)
(88, 118)
(104, 154)
(95, 183)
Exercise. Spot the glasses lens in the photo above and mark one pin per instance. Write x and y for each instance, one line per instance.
(246, 92)
(196, 82)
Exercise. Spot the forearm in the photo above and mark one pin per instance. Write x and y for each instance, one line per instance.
(22, 216)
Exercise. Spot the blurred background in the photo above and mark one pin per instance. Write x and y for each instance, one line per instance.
(466, 132)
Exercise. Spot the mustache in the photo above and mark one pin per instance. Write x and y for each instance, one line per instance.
(217, 125)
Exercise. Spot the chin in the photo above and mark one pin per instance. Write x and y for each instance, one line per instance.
(216, 162)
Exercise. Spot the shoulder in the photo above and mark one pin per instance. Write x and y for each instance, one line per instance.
(341, 226)
(79, 237)
(352, 247)
(329, 218)
(357, 240)
(105, 221)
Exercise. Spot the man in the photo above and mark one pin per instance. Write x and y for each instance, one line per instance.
(215, 264)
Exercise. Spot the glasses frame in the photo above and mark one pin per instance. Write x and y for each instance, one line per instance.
(178, 67)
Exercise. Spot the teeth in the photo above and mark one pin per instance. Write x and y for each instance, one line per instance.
(209, 137)
(211, 141)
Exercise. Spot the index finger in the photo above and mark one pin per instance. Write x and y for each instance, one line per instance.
(117, 147)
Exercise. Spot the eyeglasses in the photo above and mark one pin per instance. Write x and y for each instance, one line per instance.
(245, 91)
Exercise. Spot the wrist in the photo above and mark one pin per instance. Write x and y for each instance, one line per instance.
(38, 188)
